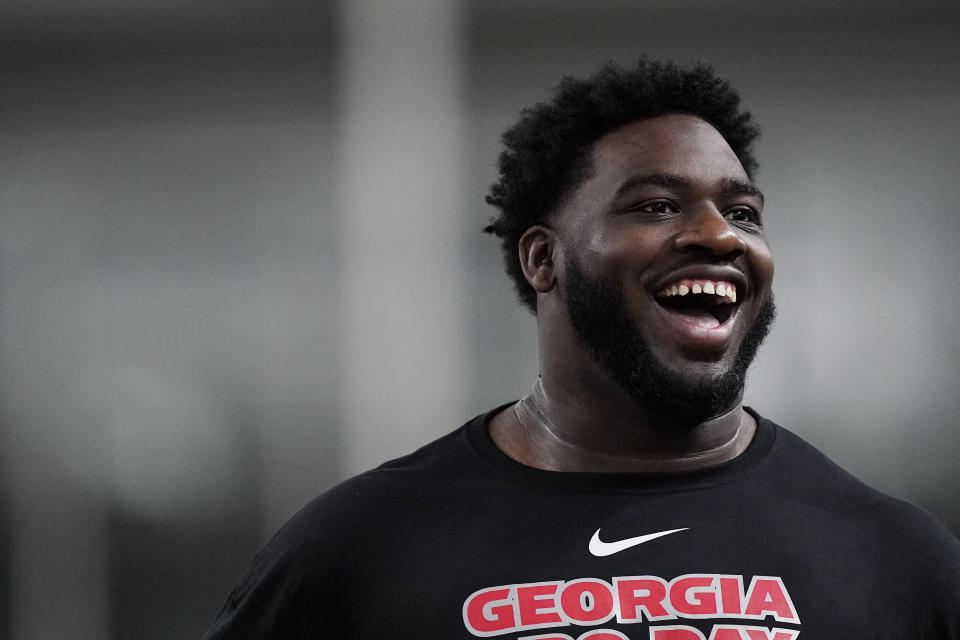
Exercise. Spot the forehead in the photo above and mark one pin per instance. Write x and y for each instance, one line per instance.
(677, 144)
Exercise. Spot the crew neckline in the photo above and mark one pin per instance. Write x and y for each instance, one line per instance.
(478, 435)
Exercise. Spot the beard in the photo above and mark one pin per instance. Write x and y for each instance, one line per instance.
(599, 317)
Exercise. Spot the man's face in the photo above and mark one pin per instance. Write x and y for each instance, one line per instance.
(668, 210)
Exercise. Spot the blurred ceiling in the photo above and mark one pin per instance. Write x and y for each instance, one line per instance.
(34, 24)
(41, 24)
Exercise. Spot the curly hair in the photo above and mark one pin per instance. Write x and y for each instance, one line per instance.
(546, 153)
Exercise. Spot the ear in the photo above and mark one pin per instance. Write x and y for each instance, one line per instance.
(537, 247)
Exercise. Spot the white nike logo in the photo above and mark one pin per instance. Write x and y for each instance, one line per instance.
(600, 548)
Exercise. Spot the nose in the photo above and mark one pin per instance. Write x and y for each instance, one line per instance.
(706, 230)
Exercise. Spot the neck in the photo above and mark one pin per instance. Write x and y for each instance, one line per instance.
(557, 429)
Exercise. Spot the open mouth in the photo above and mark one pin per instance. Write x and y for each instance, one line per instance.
(707, 303)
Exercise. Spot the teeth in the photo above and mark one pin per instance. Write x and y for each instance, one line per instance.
(710, 287)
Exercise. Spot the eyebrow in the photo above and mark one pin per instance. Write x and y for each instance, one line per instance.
(730, 185)
(735, 185)
(659, 179)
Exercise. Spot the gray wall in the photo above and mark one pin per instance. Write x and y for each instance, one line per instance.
(240, 260)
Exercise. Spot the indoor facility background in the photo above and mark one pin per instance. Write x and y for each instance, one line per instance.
(241, 259)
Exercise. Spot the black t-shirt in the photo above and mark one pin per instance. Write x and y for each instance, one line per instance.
(457, 540)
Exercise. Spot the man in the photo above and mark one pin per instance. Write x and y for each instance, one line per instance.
(630, 494)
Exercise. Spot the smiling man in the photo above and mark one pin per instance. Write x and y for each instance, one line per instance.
(652, 284)
(630, 494)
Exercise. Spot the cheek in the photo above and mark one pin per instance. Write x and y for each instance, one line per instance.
(625, 249)
(761, 264)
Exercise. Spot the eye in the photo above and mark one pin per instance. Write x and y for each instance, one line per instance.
(743, 214)
(661, 207)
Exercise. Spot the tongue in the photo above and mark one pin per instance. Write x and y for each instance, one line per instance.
(701, 317)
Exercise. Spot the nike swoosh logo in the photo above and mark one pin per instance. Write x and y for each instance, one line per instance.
(600, 548)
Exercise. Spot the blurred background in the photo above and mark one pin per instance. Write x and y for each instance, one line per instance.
(241, 259)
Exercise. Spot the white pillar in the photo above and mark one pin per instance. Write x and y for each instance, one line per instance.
(400, 216)
(52, 458)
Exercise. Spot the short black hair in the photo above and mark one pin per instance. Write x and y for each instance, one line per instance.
(547, 152)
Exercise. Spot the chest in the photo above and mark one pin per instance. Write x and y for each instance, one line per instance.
(632, 568)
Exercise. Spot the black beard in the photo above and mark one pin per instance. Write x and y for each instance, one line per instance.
(599, 317)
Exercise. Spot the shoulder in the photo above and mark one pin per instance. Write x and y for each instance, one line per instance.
(895, 550)
(325, 554)
(885, 527)
(378, 498)
(806, 471)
